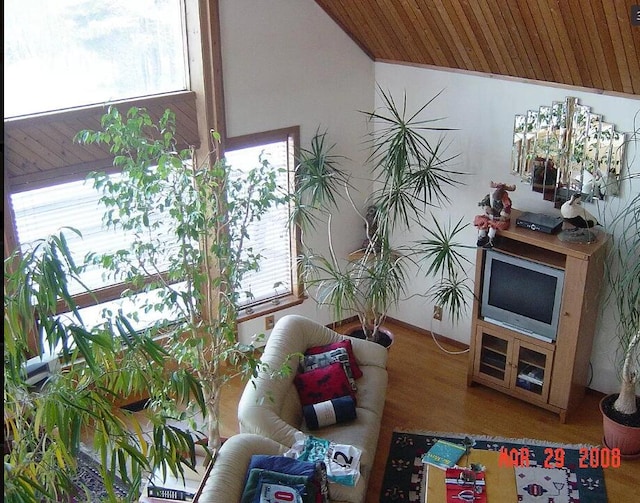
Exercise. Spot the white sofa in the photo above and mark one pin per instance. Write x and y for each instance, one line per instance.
(270, 412)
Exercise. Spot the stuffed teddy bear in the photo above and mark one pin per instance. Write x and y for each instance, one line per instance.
(497, 213)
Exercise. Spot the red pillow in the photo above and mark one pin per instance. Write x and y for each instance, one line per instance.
(346, 343)
(322, 384)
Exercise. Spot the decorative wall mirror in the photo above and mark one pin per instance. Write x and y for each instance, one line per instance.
(564, 148)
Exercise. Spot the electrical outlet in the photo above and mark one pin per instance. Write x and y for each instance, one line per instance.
(269, 321)
(437, 313)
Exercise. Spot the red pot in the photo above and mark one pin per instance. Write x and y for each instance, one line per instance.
(616, 435)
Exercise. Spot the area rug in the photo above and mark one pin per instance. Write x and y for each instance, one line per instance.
(404, 472)
(88, 478)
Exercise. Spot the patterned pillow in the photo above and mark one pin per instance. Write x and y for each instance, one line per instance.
(339, 355)
(346, 344)
(323, 384)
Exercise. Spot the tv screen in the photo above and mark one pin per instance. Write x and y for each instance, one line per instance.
(521, 294)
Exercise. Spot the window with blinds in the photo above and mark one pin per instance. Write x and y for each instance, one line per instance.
(44, 211)
(272, 236)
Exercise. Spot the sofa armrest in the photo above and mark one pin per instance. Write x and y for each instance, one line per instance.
(368, 353)
(226, 479)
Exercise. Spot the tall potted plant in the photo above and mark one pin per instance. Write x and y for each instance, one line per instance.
(410, 173)
(621, 411)
(188, 226)
(189, 222)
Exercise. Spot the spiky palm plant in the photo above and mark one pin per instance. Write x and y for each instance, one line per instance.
(410, 172)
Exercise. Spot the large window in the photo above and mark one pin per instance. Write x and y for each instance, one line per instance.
(69, 53)
(62, 56)
(43, 211)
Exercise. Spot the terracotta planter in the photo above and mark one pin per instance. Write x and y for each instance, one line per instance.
(617, 435)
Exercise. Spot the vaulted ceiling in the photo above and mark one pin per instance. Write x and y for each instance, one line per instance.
(584, 43)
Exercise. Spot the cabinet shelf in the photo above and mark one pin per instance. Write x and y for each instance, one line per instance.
(532, 364)
(552, 375)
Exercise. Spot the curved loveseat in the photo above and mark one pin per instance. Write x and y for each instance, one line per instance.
(271, 416)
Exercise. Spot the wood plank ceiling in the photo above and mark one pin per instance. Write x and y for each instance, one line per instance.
(584, 43)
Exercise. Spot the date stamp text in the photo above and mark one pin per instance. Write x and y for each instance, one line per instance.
(554, 457)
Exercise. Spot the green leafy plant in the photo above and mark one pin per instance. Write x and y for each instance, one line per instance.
(187, 224)
(410, 173)
(622, 274)
(45, 424)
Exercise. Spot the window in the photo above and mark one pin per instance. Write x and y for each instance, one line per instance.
(42, 211)
(54, 50)
(133, 53)
(273, 237)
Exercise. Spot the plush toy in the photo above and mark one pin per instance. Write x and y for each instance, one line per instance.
(497, 213)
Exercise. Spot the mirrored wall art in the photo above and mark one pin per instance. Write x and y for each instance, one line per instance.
(566, 148)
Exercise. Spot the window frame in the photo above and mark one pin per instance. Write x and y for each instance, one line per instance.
(206, 113)
(295, 297)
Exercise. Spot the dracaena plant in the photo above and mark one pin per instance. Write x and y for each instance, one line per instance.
(411, 172)
(45, 424)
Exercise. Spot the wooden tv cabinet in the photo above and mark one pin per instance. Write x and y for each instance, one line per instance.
(552, 375)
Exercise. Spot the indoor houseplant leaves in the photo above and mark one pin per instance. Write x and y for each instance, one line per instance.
(410, 172)
(189, 221)
(621, 413)
(46, 421)
(187, 224)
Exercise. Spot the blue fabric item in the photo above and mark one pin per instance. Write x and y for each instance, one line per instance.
(282, 464)
(257, 477)
(337, 410)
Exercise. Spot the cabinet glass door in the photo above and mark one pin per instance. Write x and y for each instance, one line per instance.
(533, 365)
(493, 356)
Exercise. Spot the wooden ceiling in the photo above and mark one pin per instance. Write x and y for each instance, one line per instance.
(584, 43)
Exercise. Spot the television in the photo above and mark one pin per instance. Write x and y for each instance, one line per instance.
(522, 295)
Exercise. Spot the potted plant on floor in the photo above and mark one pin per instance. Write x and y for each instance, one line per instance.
(621, 411)
(195, 217)
(410, 173)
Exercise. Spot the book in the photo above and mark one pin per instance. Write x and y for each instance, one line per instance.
(465, 485)
(443, 454)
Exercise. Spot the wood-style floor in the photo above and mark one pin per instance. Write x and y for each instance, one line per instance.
(428, 391)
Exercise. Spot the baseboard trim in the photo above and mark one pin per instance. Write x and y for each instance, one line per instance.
(422, 331)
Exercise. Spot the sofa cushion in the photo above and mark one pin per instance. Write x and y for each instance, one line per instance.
(318, 360)
(323, 384)
(346, 344)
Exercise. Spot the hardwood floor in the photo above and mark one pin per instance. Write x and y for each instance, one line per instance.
(428, 391)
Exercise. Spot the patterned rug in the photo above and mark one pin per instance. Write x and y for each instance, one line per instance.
(88, 480)
(403, 478)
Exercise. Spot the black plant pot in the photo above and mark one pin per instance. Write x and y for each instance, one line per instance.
(384, 337)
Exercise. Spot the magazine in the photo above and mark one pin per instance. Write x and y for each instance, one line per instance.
(443, 454)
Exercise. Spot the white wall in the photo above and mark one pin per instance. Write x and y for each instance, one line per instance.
(286, 63)
(483, 108)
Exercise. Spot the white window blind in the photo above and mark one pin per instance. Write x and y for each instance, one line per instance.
(272, 235)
